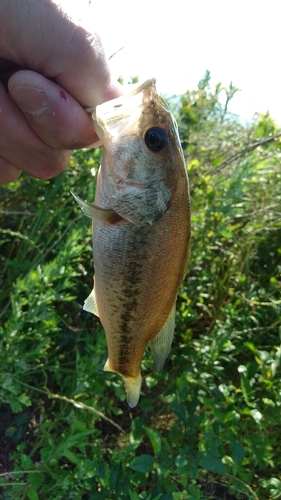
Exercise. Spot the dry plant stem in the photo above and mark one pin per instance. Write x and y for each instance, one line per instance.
(14, 472)
(248, 149)
(77, 404)
(236, 156)
(257, 302)
(253, 494)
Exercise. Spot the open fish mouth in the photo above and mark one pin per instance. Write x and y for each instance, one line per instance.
(109, 114)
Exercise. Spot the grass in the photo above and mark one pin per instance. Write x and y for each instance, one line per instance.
(207, 426)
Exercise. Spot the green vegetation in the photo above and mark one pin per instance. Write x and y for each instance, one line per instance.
(207, 426)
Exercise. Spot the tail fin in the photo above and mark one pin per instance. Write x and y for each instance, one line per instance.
(132, 385)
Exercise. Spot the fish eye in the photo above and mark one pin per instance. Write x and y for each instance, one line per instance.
(156, 139)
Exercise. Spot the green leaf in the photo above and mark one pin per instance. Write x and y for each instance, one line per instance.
(217, 161)
(238, 453)
(24, 399)
(274, 483)
(211, 462)
(115, 473)
(32, 493)
(143, 463)
(146, 404)
(155, 439)
(73, 440)
(178, 410)
(133, 495)
(71, 457)
(246, 389)
(36, 479)
(26, 462)
(137, 428)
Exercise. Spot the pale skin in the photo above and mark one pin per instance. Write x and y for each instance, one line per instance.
(51, 69)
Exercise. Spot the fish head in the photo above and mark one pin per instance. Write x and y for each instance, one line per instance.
(142, 157)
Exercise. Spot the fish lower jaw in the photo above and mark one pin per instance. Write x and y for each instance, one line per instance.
(132, 385)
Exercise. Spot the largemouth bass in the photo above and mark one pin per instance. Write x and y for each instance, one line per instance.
(141, 230)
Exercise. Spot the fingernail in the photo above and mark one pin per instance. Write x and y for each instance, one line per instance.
(31, 99)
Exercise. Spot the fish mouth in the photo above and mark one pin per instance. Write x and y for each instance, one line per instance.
(108, 115)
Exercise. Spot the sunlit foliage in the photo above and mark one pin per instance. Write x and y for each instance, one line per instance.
(208, 425)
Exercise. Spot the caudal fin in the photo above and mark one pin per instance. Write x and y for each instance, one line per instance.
(132, 385)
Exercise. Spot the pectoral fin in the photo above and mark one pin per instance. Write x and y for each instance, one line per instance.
(161, 344)
(95, 212)
(90, 304)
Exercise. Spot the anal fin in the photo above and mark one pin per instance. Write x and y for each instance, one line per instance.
(161, 344)
(90, 304)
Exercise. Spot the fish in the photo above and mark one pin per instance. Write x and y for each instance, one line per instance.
(141, 230)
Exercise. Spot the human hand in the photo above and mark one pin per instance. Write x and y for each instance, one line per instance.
(50, 69)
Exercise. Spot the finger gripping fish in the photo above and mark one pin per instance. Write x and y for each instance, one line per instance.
(141, 230)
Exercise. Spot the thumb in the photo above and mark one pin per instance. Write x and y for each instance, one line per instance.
(53, 114)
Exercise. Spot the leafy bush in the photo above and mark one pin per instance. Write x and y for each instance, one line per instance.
(208, 425)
